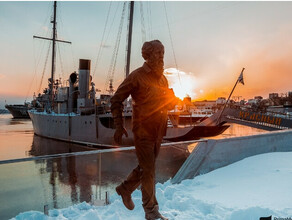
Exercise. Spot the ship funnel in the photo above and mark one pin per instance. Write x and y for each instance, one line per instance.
(84, 78)
(85, 101)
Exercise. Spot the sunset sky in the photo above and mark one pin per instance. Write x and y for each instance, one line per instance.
(212, 42)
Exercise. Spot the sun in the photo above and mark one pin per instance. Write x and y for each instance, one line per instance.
(182, 89)
(183, 84)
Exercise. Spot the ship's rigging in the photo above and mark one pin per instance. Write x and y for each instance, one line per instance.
(53, 40)
(112, 67)
(75, 117)
(108, 87)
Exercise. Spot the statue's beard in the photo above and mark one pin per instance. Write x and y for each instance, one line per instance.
(157, 65)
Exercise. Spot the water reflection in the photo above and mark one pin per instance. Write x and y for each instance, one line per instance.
(45, 146)
(72, 178)
(76, 179)
(236, 130)
(15, 137)
(63, 170)
(64, 181)
(17, 121)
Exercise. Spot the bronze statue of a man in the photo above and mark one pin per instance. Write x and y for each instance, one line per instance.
(151, 100)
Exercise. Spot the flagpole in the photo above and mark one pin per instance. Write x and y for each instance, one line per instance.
(229, 97)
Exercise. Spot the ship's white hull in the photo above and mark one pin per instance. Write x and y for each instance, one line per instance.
(85, 129)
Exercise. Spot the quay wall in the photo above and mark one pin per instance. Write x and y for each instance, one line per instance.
(213, 154)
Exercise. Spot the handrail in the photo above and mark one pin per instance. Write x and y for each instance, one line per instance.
(90, 152)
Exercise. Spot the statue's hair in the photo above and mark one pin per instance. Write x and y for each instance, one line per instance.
(148, 47)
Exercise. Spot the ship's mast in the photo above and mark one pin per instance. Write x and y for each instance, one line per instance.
(130, 38)
(54, 39)
(53, 49)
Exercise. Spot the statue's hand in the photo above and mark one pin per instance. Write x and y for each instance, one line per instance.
(120, 131)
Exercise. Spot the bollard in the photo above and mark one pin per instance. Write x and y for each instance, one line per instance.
(46, 209)
(107, 198)
(92, 200)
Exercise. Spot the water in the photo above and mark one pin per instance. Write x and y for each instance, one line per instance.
(17, 140)
(63, 181)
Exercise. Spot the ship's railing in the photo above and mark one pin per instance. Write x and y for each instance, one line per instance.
(49, 182)
(91, 110)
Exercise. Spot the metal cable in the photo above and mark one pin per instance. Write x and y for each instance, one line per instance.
(102, 40)
(46, 20)
(172, 45)
(61, 62)
(143, 31)
(149, 21)
(44, 69)
(111, 26)
(40, 51)
(73, 57)
(36, 63)
(63, 29)
(116, 50)
(34, 75)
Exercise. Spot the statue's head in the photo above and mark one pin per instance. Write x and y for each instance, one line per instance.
(153, 53)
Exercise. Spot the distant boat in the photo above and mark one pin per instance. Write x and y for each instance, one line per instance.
(287, 104)
(18, 111)
(191, 117)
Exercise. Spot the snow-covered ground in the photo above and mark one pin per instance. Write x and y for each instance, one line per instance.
(255, 187)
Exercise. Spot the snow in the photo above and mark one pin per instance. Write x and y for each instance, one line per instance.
(255, 187)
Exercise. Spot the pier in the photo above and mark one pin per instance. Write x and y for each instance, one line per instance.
(269, 121)
(213, 154)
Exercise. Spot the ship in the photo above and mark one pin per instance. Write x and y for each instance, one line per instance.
(189, 117)
(71, 114)
(19, 111)
(287, 104)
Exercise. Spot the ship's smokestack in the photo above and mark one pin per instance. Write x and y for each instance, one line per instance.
(84, 74)
(84, 103)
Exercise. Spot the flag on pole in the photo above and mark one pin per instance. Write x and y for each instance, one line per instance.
(240, 78)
